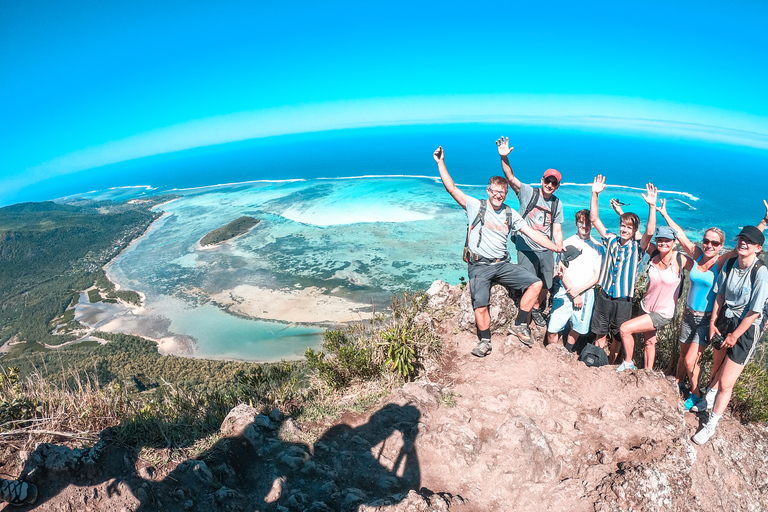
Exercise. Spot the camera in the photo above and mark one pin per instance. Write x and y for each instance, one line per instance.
(717, 341)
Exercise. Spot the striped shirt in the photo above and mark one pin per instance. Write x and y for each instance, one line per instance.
(619, 271)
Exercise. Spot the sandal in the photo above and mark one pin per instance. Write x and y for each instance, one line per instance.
(17, 492)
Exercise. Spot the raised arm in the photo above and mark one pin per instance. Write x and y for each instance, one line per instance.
(692, 249)
(650, 196)
(504, 150)
(764, 222)
(594, 216)
(448, 183)
(540, 238)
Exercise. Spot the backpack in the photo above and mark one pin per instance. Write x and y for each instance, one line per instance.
(680, 267)
(480, 219)
(752, 277)
(592, 355)
(532, 205)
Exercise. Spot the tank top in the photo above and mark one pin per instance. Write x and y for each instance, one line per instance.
(701, 297)
(661, 295)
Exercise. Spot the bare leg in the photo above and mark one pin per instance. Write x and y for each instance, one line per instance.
(692, 367)
(573, 337)
(650, 348)
(641, 323)
(541, 298)
(681, 372)
(553, 338)
(717, 366)
(531, 294)
(615, 347)
(729, 374)
(483, 318)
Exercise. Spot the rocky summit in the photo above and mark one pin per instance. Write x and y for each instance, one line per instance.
(529, 429)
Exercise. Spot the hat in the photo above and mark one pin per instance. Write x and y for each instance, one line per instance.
(754, 234)
(554, 173)
(666, 232)
(569, 254)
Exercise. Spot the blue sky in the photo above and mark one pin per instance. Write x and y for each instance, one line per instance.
(85, 83)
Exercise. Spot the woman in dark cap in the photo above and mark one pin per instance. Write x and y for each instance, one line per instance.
(742, 291)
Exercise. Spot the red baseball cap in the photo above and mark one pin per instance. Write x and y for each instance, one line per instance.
(554, 173)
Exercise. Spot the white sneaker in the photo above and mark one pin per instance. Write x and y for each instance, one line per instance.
(626, 366)
(705, 434)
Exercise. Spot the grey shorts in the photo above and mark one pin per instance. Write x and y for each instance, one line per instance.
(505, 273)
(658, 320)
(541, 264)
(695, 328)
(609, 314)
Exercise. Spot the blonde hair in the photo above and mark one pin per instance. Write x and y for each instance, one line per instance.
(719, 233)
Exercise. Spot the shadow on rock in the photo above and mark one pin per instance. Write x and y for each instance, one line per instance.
(250, 468)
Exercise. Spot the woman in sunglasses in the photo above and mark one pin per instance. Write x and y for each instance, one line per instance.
(694, 333)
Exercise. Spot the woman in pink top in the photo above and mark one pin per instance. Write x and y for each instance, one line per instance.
(664, 272)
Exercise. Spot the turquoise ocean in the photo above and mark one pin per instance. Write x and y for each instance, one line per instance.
(363, 215)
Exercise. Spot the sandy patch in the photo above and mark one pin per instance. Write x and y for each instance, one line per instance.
(308, 305)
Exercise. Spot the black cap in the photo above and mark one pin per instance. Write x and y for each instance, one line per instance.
(569, 254)
(754, 234)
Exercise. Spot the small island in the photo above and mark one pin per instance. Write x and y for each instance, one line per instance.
(235, 228)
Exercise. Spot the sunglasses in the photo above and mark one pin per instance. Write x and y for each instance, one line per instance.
(552, 181)
(713, 243)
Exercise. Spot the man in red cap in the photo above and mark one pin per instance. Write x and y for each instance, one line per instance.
(543, 211)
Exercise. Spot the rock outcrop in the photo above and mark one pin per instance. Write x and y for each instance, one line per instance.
(530, 429)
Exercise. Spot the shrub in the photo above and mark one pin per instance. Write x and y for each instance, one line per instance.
(750, 394)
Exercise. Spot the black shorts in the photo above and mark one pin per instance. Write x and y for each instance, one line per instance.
(610, 313)
(745, 346)
(505, 273)
(541, 264)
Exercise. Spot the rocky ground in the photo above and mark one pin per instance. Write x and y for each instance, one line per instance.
(527, 429)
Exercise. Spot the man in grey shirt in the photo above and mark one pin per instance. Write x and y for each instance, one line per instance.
(544, 216)
(487, 256)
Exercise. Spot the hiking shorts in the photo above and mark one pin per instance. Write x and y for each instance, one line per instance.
(610, 313)
(563, 311)
(695, 328)
(658, 320)
(745, 346)
(483, 275)
(541, 264)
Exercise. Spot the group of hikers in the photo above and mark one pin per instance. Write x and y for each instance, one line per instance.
(592, 283)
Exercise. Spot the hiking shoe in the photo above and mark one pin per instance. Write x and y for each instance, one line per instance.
(523, 333)
(538, 317)
(626, 366)
(705, 434)
(691, 401)
(706, 402)
(17, 492)
(482, 349)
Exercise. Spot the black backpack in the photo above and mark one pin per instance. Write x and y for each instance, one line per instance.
(592, 355)
(480, 219)
(752, 276)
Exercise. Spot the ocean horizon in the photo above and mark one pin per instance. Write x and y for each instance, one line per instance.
(362, 214)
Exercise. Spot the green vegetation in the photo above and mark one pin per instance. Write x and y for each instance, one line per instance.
(235, 228)
(49, 252)
(398, 348)
(94, 296)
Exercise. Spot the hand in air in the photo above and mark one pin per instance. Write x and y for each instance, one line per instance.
(503, 145)
(617, 207)
(599, 184)
(662, 208)
(766, 209)
(439, 154)
(651, 194)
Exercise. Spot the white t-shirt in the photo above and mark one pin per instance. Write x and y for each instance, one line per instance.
(583, 268)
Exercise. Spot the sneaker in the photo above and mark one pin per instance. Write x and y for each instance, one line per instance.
(523, 333)
(691, 401)
(17, 492)
(626, 366)
(538, 318)
(482, 349)
(706, 403)
(705, 434)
